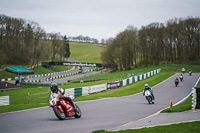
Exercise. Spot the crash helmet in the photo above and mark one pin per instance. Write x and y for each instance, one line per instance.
(54, 87)
(146, 85)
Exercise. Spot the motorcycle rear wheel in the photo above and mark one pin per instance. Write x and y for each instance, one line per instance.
(60, 115)
(78, 112)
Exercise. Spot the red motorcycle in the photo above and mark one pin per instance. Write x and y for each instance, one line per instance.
(63, 109)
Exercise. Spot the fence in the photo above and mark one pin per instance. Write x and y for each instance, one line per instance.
(29, 96)
(98, 88)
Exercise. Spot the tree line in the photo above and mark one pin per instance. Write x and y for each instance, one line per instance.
(24, 42)
(82, 38)
(176, 41)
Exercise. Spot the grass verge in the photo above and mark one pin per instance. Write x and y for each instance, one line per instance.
(188, 127)
(184, 106)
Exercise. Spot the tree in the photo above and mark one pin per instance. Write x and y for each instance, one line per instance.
(66, 47)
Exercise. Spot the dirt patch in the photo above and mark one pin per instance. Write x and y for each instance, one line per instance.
(8, 86)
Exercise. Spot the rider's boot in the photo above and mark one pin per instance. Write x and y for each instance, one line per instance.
(73, 105)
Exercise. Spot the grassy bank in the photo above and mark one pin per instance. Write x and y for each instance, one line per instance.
(85, 52)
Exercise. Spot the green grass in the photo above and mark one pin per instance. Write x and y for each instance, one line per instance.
(37, 71)
(198, 84)
(188, 127)
(116, 76)
(42, 70)
(129, 89)
(19, 98)
(184, 106)
(21, 94)
(85, 52)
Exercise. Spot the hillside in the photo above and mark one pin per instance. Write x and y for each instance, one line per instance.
(85, 52)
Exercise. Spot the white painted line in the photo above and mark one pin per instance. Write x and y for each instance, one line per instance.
(157, 125)
(24, 110)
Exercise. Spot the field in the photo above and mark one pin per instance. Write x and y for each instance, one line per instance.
(85, 52)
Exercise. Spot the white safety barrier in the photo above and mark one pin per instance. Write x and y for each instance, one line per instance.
(80, 91)
(97, 88)
(4, 100)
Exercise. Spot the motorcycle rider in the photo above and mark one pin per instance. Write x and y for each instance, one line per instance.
(176, 79)
(181, 76)
(183, 70)
(147, 87)
(190, 71)
(55, 90)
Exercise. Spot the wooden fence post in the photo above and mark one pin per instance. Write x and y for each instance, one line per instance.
(48, 95)
(28, 97)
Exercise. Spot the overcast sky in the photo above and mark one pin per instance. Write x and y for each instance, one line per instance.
(97, 18)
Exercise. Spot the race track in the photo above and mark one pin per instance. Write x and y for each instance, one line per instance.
(105, 114)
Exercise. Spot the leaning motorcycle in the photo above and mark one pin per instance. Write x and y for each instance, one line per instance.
(148, 96)
(63, 109)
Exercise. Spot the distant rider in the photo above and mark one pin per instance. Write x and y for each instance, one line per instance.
(183, 70)
(55, 91)
(176, 79)
(147, 87)
(181, 76)
(190, 71)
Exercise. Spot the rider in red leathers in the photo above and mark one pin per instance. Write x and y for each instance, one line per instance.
(176, 79)
(55, 91)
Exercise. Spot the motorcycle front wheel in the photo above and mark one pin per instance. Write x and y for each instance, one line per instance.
(78, 112)
(149, 99)
(60, 114)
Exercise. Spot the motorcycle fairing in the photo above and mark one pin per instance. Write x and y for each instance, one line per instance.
(69, 111)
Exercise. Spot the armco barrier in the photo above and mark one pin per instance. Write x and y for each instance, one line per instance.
(98, 88)
(34, 76)
(77, 92)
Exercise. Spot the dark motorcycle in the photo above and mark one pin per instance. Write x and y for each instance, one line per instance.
(176, 82)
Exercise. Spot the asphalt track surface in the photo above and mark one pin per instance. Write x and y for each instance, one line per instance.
(105, 114)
